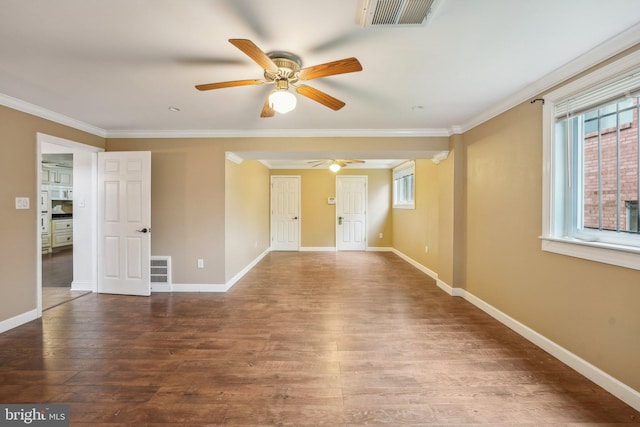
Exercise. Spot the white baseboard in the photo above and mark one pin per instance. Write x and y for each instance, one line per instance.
(335, 249)
(210, 287)
(622, 391)
(245, 270)
(83, 285)
(161, 287)
(318, 249)
(454, 292)
(18, 320)
(199, 287)
(416, 264)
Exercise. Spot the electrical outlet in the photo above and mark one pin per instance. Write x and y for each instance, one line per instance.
(200, 263)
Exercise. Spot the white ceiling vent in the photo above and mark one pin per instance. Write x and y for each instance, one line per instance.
(394, 12)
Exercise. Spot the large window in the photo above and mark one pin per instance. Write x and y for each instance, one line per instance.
(592, 173)
(404, 186)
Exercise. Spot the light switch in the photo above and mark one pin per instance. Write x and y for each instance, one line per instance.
(22, 203)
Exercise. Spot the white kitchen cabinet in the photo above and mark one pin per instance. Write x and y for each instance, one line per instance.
(45, 231)
(44, 201)
(57, 175)
(61, 232)
(61, 176)
(45, 175)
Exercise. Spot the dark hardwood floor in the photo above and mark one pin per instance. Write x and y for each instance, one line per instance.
(57, 268)
(336, 339)
(57, 276)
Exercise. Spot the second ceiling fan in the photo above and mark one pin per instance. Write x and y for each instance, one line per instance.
(284, 70)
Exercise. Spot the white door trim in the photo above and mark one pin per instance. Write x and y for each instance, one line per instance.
(71, 146)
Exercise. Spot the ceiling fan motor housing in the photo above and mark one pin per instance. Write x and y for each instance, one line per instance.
(288, 67)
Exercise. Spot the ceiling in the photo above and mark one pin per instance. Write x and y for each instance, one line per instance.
(115, 68)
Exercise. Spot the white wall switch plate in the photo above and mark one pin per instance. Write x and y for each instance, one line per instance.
(22, 203)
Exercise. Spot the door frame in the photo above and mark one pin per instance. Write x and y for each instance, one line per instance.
(299, 221)
(70, 147)
(366, 208)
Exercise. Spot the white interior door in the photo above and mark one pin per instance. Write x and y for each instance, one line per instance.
(351, 213)
(285, 213)
(124, 222)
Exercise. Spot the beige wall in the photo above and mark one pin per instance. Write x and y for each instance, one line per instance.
(589, 308)
(318, 226)
(246, 214)
(429, 224)
(18, 228)
(187, 204)
(445, 230)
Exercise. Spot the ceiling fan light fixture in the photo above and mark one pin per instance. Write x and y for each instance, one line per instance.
(282, 101)
(334, 167)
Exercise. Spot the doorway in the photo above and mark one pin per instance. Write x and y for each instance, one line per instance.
(66, 238)
(56, 221)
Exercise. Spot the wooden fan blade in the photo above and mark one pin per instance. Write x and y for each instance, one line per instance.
(353, 161)
(210, 86)
(255, 53)
(342, 66)
(267, 111)
(321, 97)
(342, 164)
(316, 163)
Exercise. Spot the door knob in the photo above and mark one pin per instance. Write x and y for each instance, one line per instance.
(340, 220)
(144, 230)
(295, 217)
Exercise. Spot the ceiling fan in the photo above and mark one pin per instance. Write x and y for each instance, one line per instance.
(334, 164)
(284, 69)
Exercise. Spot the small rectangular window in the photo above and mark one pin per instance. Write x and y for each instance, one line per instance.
(592, 184)
(404, 186)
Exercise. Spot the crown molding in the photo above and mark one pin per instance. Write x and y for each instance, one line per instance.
(26, 107)
(279, 133)
(34, 110)
(594, 56)
(234, 158)
(440, 157)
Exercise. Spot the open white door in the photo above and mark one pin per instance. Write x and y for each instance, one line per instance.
(124, 222)
(351, 213)
(285, 213)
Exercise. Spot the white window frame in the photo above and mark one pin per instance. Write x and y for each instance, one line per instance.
(400, 172)
(553, 234)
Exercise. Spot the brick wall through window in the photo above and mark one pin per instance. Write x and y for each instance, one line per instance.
(611, 185)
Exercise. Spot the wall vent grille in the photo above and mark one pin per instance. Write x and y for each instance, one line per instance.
(395, 12)
(160, 276)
